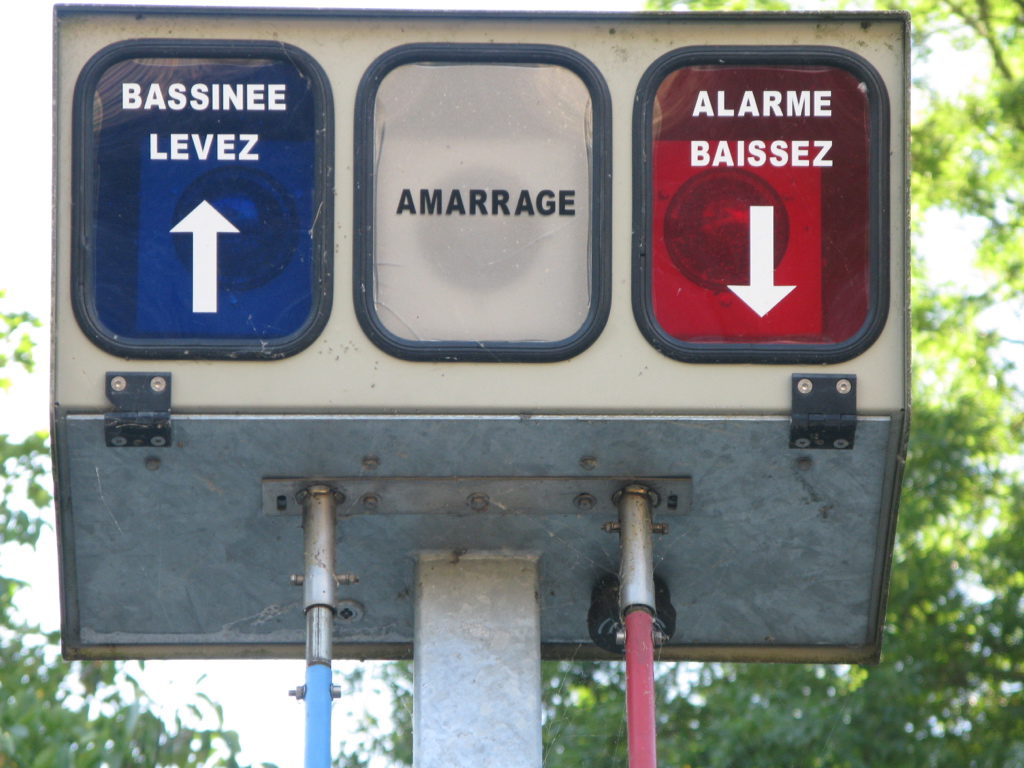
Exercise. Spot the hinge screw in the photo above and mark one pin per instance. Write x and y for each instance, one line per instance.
(119, 383)
(158, 383)
(804, 386)
(843, 386)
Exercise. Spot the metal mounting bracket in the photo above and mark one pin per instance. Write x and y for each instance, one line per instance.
(142, 410)
(824, 413)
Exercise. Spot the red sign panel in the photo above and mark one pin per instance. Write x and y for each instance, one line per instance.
(761, 231)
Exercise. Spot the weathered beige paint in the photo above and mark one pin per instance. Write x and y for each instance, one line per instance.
(342, 371)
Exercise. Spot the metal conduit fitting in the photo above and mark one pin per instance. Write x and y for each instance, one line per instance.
(636, 560)
(319, 504)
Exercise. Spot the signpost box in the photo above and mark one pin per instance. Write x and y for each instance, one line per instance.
(476, 273)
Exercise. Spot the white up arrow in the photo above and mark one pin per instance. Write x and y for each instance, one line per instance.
(762, 294)
(204, 222)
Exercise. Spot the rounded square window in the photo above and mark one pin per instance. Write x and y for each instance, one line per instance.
(761, 208)
(482, 196)
(202, 174)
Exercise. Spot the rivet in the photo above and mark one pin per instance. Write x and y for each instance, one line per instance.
(152, 463)
(841, 443)
(478, 502)
(585, 501)
(802, 442)
(370, 463)
(370, 501)
(588, 462)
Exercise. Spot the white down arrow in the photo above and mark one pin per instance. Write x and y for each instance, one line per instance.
(762, 294)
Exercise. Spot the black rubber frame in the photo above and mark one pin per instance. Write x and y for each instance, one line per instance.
(878, 205)
(84, 203)
(467, 350)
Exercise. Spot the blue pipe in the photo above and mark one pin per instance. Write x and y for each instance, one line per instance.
(318, 716)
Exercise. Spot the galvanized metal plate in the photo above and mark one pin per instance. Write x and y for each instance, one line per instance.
(461, 496)
(771, 553)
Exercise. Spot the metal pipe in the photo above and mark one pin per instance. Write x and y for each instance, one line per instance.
(319, 524)
(636, 563)
(640, 709)
(318, 716)
(637, 603)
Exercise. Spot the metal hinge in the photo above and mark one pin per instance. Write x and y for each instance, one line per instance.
(142, 410)
(824, 413)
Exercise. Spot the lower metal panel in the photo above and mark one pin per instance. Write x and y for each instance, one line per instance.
(771, 553)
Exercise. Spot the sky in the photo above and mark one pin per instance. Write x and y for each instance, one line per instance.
(254, 694)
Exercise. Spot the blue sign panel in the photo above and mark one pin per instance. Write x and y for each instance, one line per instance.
(202, 221)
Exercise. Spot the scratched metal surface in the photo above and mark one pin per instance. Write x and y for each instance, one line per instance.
(771, 553)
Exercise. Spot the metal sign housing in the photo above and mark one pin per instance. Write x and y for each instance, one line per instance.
(470, 419)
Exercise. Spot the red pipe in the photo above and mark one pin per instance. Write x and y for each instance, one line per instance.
(640, 726)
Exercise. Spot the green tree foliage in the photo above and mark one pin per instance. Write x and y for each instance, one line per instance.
(54, 714)
(949, 692)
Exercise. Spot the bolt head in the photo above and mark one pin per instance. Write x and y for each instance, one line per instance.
(349, 611)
